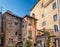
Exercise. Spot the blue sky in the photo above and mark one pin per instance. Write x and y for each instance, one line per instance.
(18, 7)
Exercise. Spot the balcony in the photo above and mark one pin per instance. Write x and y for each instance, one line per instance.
(47, 2)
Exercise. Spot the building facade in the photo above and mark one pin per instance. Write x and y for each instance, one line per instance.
(28, 30)
(12, 29)
(15, 31)
(48, 14)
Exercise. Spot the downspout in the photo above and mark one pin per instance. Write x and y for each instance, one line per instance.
(57, 3)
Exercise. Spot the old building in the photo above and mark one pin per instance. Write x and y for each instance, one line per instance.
(12, 29)
(28, 30)
(15, 31)
(48, 14)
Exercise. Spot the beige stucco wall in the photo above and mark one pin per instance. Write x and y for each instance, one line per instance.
(48, 11)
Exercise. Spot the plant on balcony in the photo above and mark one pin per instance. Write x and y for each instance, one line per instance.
(46, 33)
(29, 37)
(28, 43)
(10, 46)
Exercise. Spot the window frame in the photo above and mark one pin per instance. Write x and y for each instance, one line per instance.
(43, 23)
(42, 15)
(55, 17)
(56, 28)
(54, 5)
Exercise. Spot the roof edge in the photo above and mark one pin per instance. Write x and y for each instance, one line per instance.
(34, 5)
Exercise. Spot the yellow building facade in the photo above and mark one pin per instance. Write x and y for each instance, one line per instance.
(48, 14)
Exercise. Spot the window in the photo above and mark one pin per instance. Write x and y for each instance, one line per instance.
(16, 21)
(41, 5)
(56, 28)
(16, 33)
(30, 35)
(42, 15)
(22, 25)
(10, 41)
(54, 5)
(44, 23)
(56, 42)
(0, 40)
(30, 21)
(33, 15)
(55, 17)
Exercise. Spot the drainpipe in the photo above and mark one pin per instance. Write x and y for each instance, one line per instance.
(58, 14)
(57, 5)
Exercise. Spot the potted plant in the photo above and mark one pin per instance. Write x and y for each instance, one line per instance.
(28, 43)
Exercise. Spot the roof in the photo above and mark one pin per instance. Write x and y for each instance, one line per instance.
(29, 17)
(10, 13)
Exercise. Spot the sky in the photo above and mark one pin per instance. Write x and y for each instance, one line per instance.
(18, 7)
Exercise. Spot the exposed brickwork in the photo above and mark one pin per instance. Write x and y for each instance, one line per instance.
(16, 30)
(12, 29)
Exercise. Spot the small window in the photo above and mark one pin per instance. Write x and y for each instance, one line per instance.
(54, 5)
(30, 33)
(0, 40)
(42, 15)
(10, 41)
(22, 25)
(56, 42)
(43, 23)
(16, 33)
(37, 41)
(55, 17)
(33, 15)
(16, 23)
(30, 22)
(56, 28)
(41, 5)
